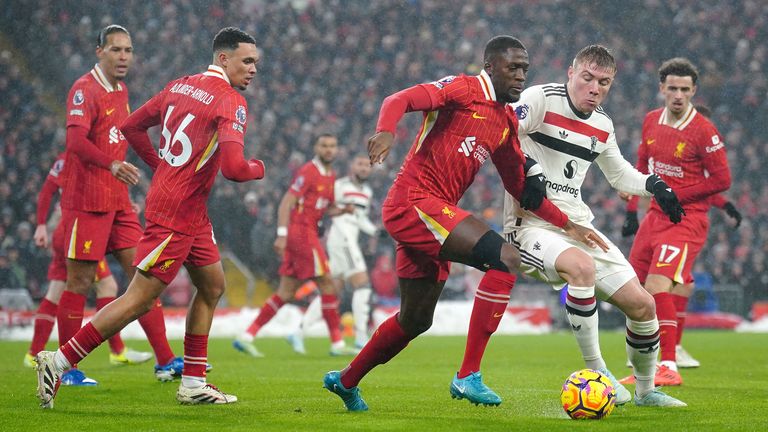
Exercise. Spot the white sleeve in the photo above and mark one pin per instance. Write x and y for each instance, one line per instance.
(338, 193)
(365, 224)
(530, 110)
(620, 173)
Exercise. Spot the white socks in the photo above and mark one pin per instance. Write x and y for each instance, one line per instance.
(642, 348)
(361, 312)
(581, 307)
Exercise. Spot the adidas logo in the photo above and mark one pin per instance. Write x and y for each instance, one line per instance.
(576, 327)
(563, 134)
(650, 350)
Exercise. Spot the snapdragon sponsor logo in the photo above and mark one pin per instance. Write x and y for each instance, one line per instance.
(557, 187)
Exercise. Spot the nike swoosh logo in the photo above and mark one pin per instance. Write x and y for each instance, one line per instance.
(110, 111)
(475, 115)
(498, 315)
(662, 265)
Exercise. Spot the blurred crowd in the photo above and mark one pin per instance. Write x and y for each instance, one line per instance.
(327, 65)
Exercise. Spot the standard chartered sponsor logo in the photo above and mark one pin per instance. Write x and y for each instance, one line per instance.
(668, 170)
(557, 187)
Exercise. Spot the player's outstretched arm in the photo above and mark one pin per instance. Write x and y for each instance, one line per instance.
(234, 167)
(393, 108)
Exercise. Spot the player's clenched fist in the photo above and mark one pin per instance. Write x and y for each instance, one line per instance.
(379, 145)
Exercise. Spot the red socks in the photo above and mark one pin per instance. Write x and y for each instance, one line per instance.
(116, 345)
(153, 324)
(267, 312)
(81, 344)
(491, 300)
(681, 307)
(388, 340)
(665, 311)
(195, 355)
(69, 315)
(44, 321)
(330, 305)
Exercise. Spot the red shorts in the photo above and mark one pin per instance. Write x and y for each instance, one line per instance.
(90, 235)
(304, 256)
(420, 227)
(161, 251)
(668, 249)
(57, 269)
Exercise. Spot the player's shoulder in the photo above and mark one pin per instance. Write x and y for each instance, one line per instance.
(654, 115)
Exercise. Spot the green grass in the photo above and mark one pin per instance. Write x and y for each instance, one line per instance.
(283, 391)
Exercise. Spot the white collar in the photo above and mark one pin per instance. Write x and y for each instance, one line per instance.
(685, 119)
(487, 85)
(216, 71)
(98, 74)
(320, 166)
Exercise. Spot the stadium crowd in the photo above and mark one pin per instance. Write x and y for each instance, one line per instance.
(326, 66)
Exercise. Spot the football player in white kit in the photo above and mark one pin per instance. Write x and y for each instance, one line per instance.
(564, 128)
(346, 259)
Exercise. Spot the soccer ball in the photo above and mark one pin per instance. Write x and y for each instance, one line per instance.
(588, 394)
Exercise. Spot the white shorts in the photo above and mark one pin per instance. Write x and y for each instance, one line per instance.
(345, 260)
(540, 247)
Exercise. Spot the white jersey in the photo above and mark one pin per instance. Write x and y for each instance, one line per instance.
(346, 228)
(565, 142)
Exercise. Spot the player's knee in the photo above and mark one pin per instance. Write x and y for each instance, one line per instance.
(582, 271)
(416, 326)
(646, 309)
(487, 254)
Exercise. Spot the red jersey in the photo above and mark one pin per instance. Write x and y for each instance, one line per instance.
(689, 156)
(100, 108)
(52, 184)
(465, 127)
(313, 186)
(197, 112)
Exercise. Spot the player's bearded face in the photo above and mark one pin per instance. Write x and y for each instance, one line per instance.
(508, 73)
(677, 91)
(240, 65)
(588, 85)
(361, 168)
(116, 56)
(326, 149)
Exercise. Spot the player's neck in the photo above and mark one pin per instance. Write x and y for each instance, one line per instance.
(672, 118)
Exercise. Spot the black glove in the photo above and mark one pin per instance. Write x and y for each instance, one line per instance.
(666, 199)
(630, 224)
(734, 214)
(534, 192)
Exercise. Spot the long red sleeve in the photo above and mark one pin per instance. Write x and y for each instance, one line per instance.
(415, 98)
(632, 204)
(79, 144)
(234, 167)
(135, 128)
(44, 199)
(718, 181)
(718, 200)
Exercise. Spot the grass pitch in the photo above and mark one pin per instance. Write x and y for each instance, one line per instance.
(283, 391)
